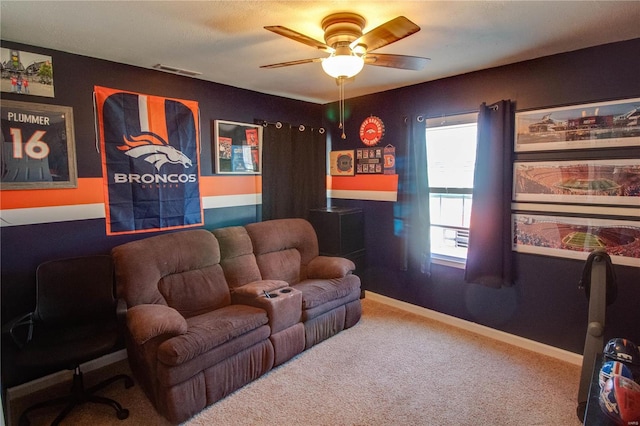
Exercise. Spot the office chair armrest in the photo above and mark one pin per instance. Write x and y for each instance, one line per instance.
(121, 314)
(148, 321)
(325, 267)
(17, 323)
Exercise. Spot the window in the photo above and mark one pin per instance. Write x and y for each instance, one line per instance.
(451, 154)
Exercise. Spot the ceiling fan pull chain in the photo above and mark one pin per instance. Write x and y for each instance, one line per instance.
(339, 103)
(341, 91)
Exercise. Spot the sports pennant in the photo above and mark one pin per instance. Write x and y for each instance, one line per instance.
(150, 161)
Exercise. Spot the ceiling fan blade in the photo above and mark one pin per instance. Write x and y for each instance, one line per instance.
(299, 37)
(387, 33)
(286, 64)
(396, 61)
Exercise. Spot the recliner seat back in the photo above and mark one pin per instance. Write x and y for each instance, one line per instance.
(181, 270)
(283, 248)
(237, 258)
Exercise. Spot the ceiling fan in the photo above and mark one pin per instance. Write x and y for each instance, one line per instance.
(350, 49)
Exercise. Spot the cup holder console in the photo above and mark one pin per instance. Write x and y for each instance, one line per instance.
(277, 293)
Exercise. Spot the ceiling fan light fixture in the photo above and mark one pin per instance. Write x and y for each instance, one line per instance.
(343, 63)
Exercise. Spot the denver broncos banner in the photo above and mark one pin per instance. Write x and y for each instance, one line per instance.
(150, 161)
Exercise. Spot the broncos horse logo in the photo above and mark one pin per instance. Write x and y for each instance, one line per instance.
(153, 149)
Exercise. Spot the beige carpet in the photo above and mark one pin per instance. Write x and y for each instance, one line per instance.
(392, 368)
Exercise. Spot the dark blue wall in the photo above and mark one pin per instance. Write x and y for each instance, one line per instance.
(24, 247)
(545, 304)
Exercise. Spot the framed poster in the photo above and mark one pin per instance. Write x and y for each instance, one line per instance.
(369, 161)
(238, 147)
(38, 146)
(341, 163)
(595, 125)
(576, 237)
(26, 73)
(612, 182)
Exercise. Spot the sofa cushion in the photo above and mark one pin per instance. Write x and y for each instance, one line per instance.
(141, 265)
(281, 265)
(171, 375)
(197, 291)
(236, 256)
(210, 330)
(319, 292)
(319, 310)
(284, 234)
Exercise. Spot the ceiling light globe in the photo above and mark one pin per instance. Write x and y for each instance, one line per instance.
(345, 66)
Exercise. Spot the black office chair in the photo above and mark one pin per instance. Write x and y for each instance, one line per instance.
(74, 321)
(599, 284)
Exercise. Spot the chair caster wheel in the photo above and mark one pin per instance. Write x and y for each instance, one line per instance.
(123, 414)
(580, 411)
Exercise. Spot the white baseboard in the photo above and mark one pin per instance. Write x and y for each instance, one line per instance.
(482, 330)
(60, 376)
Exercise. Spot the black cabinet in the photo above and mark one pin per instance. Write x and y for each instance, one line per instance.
(340, 232)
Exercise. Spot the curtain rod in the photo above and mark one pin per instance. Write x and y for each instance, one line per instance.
(279, 125)
(422, 117)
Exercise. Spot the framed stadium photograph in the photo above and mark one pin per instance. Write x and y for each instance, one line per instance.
(342, 163)
(576, 237)
(238, 147)
(595, 125)
(38, 146)
(609, 182)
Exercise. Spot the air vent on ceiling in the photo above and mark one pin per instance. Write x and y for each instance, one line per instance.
(176, 70)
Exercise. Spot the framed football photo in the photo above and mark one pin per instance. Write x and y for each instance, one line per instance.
(342, 163)
(238, 147)
(38, 146)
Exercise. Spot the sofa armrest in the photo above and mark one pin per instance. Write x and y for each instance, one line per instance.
(148, 321)
(282, 303)
(325, 267)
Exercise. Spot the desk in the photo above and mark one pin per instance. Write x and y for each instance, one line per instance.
(594, 416)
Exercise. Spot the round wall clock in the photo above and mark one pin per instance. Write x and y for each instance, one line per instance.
(371, 130)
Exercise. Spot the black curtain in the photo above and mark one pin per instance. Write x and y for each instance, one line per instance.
(293, 171)
(413, 200)
(489, 257)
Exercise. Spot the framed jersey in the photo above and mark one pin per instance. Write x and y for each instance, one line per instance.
(38, 146)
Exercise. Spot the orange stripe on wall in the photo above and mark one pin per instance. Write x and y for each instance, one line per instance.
(363, 183)
(90, 191)
(211, 186)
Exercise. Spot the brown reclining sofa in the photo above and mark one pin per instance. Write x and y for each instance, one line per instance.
(208, 312)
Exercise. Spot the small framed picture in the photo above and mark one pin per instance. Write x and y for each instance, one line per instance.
(238, 147)
(342, 163)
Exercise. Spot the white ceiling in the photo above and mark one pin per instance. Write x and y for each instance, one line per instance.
(226, 41)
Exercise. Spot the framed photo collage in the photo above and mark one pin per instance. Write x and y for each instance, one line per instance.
(576, 181)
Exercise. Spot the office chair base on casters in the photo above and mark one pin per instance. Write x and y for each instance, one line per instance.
(79, 395)
(581, 409)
